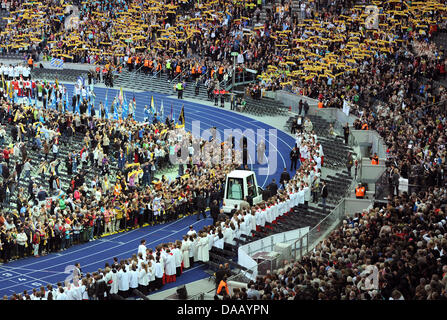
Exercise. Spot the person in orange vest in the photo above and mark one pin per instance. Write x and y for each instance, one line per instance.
(146, 66)
(374, 159)
(365, 126)
(159, 67)
(150, 65)
(360, 192)
(222, 98)
(223, 285)
(178, 69)
(221, 71)
(129, 63)
(320, 104)
(216, 96)
(30, 63)
(138, 63)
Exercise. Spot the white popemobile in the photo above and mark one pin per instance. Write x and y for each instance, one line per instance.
(240, 184)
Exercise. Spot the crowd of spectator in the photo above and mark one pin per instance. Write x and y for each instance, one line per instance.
(121, 193)
(396, 251)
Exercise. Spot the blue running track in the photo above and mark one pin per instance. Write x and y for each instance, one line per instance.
(33, 272)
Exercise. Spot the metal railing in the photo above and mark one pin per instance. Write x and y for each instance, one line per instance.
(310, 240)
(243, 77)
(177, 76)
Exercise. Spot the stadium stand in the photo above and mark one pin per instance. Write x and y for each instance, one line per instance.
(392, 76)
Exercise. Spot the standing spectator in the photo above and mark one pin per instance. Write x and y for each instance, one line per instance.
(285, 178)
(346, 132)
(324, 194)
(294, 156)
(395, 182)
(201, 206)
(349, 163)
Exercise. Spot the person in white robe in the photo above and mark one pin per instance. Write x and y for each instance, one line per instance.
(191, 251)
(143, 279)
(228, 235)
(218, 240)
(170, 267)
(178, 258)
(196, 248)
(158, 272)
(210, 236)
(114, 285)
(205, 254)
(123, 282)
(133, 278)
(185, 251)
(151, 273)
(142, 249)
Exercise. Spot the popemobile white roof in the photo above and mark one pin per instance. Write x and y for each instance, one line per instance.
(240, 174)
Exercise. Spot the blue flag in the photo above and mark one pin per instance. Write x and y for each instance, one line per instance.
(66, 101)
(125, 108)
(106, 108)
(115, 110)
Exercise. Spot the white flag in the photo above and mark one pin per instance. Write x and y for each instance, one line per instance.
(346, 107)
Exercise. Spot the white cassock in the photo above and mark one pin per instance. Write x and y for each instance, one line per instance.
(170, 264)
(123, 280)
(263, 217)
(191, 248)
(178, 257)
(253, 222)
(143, 278)
(133, 279)
(301, 196)
(243, 228)
(185, 253)
(195, 246)
(163, 256)
(142, 250)
(306, 194)
(151, 272)
(237, 232)
(199, 249)
(158, 270)
(268, 215)
(210, 241)
(218, 242)
(280, 208)
(205, 254)
(228, 236)
(274, 212)
(114, 287)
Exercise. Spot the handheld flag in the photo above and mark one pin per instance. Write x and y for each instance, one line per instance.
(10, 91)
(115, 110)
(181, 118)
(162, 111)
(66, 101)
(106, 108)
(125, 108)
(133, 107)
(121, 97)
(153, 110)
